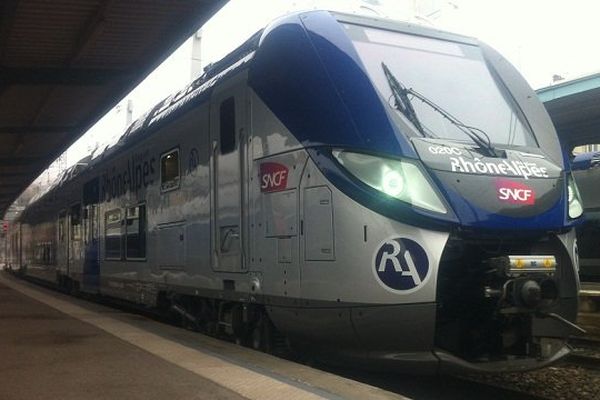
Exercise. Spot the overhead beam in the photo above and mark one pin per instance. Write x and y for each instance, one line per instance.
(90, 30)
(14, 173)
(13, 185)
(22, 130)
(7, 196)
(567, 89)
(60, 76)
(574, 127)
(8, 9)
(20, 161)
(17, 171)
(10, 183)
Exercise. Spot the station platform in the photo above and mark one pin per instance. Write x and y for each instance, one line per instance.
(590, 289)
(54, 346)
(589, 298)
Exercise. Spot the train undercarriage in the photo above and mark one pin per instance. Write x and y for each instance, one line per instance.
(488, 311)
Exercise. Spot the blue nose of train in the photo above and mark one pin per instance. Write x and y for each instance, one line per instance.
(518, 190)
(323, 75)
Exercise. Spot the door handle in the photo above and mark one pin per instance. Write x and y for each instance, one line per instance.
(228, 237)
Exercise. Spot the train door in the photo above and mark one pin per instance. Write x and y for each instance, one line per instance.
(91, 261)
(62, 267)
(90, 280)
(227, 130)
(16, 261)
(74, 257)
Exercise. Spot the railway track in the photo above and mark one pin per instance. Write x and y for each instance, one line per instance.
(586, 348)
(447, 387)
(586, 352)
(584, 360)
(576, 377)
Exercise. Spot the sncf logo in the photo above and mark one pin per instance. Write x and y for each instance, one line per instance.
(514, 192)
(273, 177)
(401, 265)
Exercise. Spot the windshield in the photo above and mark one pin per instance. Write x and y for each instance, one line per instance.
(452, 75)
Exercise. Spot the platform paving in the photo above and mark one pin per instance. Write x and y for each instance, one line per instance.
(46, 354)
(53, 346)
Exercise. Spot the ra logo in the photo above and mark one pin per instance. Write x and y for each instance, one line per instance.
(401, 265)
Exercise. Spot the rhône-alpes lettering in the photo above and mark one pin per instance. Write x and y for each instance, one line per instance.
(138, 173)
(504, 167)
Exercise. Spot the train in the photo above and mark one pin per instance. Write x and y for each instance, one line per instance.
(586, 172)
(368, 191)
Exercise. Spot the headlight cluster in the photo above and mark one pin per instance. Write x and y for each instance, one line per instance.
(574, 198)
(400, 179)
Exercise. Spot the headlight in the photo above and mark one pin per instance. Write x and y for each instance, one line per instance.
(402, 180)
(574, 198)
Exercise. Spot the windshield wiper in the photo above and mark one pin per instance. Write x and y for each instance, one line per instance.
(403, 104)
(477, 135)
(401, 100)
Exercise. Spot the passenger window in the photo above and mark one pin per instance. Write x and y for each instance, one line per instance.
(45, 258)
(61, 229)
(93, 221)
(91, 192)
(43, 254)
(39, 253)
(50, 252)
(112, 235)
(136, 232)
(169, 171)
(76, 222)
(227, 124)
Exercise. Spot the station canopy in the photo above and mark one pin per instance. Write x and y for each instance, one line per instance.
(574, 107)
(65, 63)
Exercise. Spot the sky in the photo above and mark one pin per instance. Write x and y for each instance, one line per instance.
(541, 38)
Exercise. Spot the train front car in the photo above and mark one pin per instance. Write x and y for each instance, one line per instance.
(447, 237)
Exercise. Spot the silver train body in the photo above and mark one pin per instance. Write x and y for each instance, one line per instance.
(220, 204)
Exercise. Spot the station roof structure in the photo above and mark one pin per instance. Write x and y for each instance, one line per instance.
(574, 107)
(65, 63)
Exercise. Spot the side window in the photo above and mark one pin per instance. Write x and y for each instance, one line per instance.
(62, 231)
(39, 253)
(50, 253)
(227, 125)
(112, 235)
(90, 224)
(76, 222)
(135, 228)
(93, 218)
(43, 253)
(91, 192)
(169, 170)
